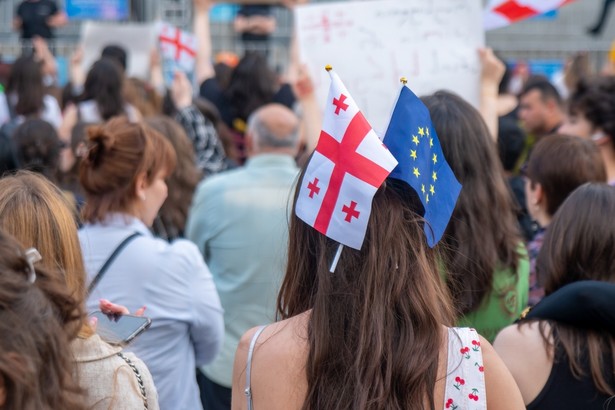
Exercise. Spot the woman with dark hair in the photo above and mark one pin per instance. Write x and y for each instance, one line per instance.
(37, 148)
(102, 96)
(569, 363)
(557, 165)
(483, 260)
(123, 178)
(37, 322)
(371, 335)
(26, 96)
(591, 115)
(252, 83)
(171, 219)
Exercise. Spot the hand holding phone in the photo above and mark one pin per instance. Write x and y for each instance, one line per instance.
(120, 329)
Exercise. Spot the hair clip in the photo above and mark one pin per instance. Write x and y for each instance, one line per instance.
(32, 256)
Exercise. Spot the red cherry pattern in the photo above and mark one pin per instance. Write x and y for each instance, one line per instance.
(464, 350)
(460, 380)
(473, 397)
(449, 402)
(475, 343)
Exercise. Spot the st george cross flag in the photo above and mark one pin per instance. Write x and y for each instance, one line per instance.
(178, 46)
(345, 171)
(501, 13)
(412, 139)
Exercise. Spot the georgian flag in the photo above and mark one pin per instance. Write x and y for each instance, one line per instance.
(345, 171)
(500, 13)
(178, 45)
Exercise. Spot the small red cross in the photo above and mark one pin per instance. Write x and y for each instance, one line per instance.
(313, 187)
(339, 104)
(350, 211)
(179, 46)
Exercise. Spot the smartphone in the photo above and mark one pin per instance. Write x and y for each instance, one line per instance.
(120, 329)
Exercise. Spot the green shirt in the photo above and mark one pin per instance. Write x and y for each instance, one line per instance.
(504, 303)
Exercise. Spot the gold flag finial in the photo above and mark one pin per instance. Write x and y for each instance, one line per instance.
(403, 80)
(328, 67)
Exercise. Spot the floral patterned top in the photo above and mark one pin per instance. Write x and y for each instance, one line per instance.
(465, 377)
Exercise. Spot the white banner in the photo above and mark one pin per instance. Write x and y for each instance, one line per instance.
(371, 44)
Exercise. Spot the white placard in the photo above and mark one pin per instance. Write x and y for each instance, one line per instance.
(137, 39)
(371, 44)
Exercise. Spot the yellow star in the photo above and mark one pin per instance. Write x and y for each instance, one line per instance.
(413, 154)
(415, 139)
(430, 142)
(422, 188)
(416, 172)
(427, 131)
(427, 198)
(434, 176)
(435, 158)
(432, 190)
(421, 132)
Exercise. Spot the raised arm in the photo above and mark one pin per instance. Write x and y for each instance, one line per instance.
(204, 67)
(491, 74)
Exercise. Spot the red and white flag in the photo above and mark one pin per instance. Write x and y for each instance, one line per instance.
(347, 167)
(178, 45)
(500, 13)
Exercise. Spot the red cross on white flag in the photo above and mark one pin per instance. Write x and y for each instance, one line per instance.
(348, 166)
(177, 45)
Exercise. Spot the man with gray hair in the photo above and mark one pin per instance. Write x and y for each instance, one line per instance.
(239, 221)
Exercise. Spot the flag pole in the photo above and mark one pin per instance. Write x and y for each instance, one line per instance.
(336, 258)
(403, 80)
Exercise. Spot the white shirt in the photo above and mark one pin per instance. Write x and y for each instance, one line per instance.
(176, 287)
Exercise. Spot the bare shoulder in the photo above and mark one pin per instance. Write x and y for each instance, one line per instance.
(277, 368)
(502, 391)
(523, 351)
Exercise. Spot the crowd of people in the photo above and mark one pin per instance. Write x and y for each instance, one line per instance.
(124, 196)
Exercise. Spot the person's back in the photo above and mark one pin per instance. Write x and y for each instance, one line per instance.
(239, 220)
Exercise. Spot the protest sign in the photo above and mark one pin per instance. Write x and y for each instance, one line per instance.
(372, 44)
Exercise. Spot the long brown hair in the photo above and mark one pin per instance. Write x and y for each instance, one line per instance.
(118, 152)
(482, 235)
(182, 181)
(376, 322)
(580, 245)
(37, 322)
(36, 212)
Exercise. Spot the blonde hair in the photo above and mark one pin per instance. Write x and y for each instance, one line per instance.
(37, 213)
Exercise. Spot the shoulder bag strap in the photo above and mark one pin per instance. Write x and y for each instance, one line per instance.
(109, 261)
(139, 378)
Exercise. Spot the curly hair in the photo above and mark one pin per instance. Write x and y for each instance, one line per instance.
(594, 98)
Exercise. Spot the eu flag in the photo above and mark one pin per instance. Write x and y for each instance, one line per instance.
(412, 140)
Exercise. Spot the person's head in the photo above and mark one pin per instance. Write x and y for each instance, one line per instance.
(35, 361)
(115, 53)
(38, 146)
(182, 181)
(273, 128)
(124, 170)
(104, 84)
(252, 84)
(558, 165)
(580, 245)
(591, 111)
(511, 142)
(26, 82)
(483, 234)
(382, 307)
(142, 96)
(540, 106)
(36, 212)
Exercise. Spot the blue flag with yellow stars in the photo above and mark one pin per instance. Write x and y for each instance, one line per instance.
(413, 142)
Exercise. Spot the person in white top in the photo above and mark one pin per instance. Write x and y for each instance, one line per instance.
(123, 177)
(373, 333)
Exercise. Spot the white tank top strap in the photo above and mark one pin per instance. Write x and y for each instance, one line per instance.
(465, 377)
(248, 389)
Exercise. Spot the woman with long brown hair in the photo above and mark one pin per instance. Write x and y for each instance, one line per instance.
(371, 335)
(37, 317)
(35, 211)
(483, 259)
(569, 364)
